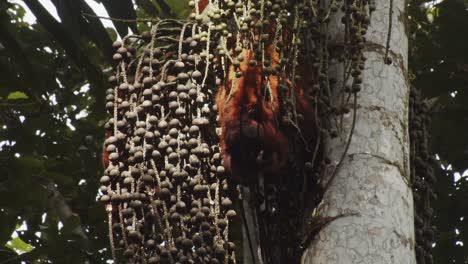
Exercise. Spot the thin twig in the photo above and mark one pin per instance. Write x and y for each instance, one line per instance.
(132, 20)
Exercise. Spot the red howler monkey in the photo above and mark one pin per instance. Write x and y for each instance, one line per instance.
(252, 139)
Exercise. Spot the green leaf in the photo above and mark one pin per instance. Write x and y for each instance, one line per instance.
(19, 245)
(432, 13)
(17, 95)
(8, 222)
(179, 8)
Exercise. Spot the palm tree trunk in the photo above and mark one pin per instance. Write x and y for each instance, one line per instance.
(373, 181)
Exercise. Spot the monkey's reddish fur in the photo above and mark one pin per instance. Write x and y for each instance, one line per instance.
(202, 5)
(252, 140)
(105, 153)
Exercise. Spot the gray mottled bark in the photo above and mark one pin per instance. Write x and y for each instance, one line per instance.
(373, 179)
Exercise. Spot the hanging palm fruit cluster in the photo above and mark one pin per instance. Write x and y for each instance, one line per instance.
(423, 177)
(263, 64)
(165, 186)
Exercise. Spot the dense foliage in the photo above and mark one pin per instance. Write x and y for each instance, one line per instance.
(438, 63)
(52, 115)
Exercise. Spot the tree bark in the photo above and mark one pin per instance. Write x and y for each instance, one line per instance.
(373, 181)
